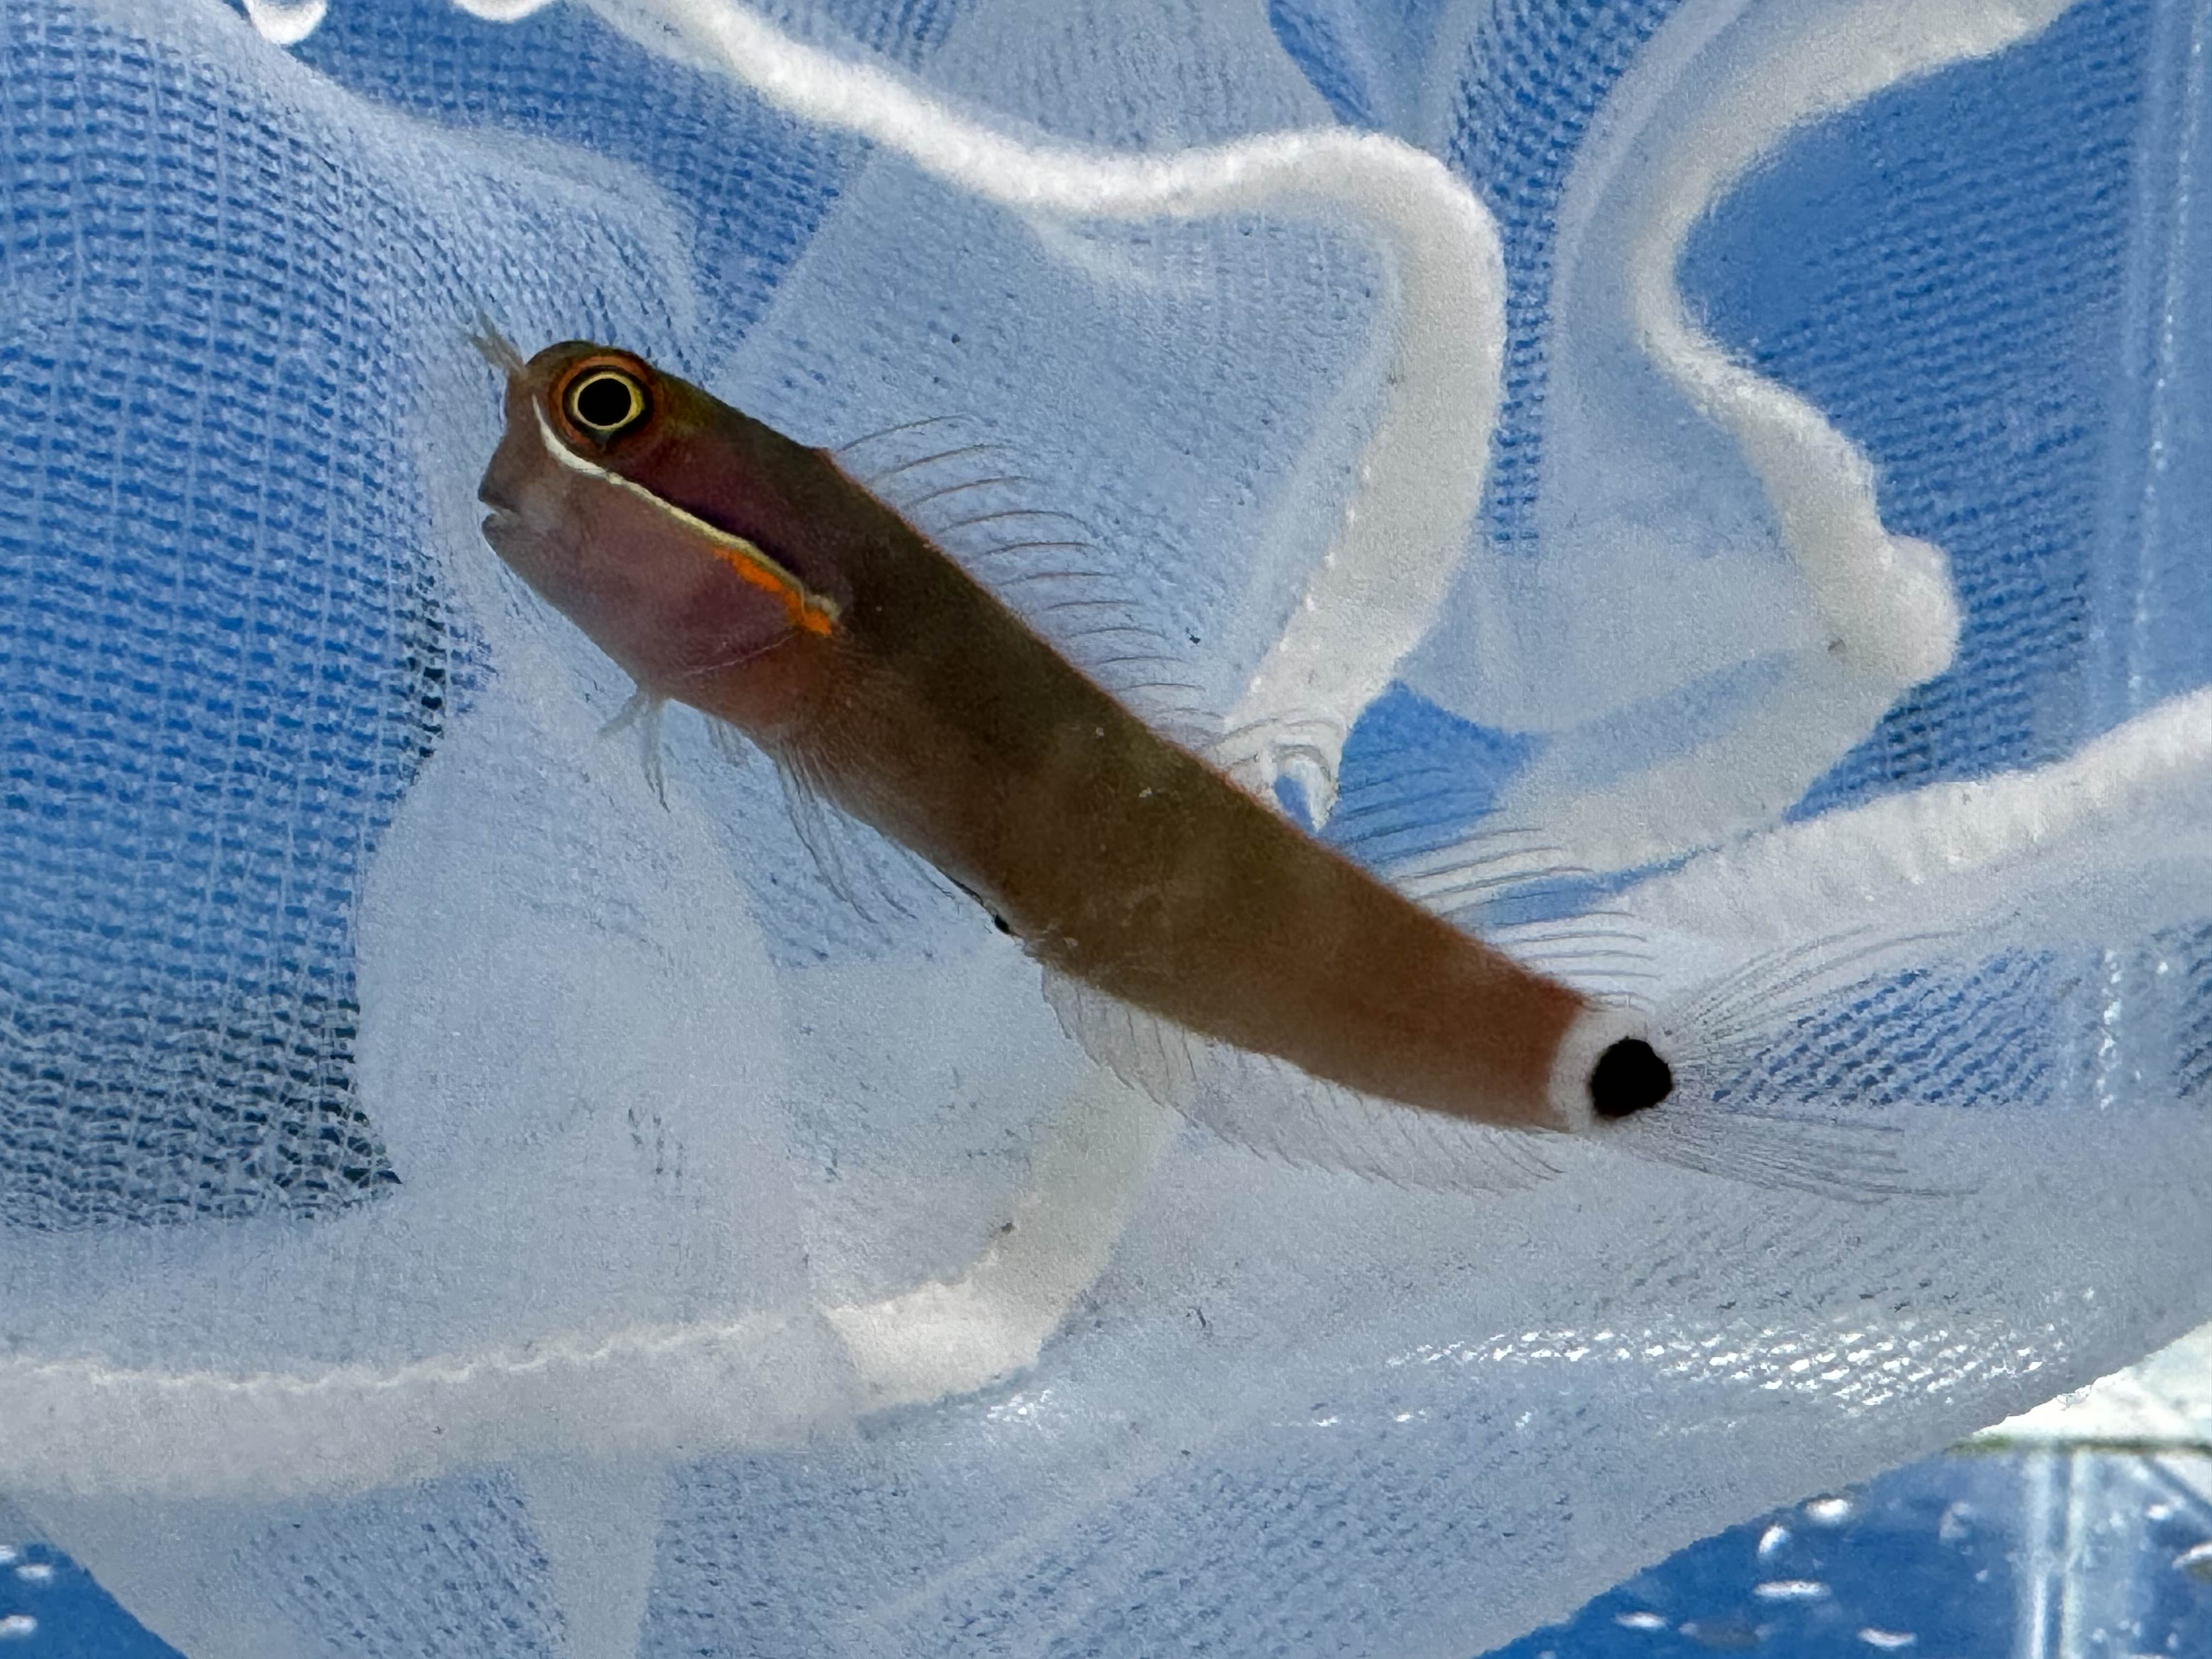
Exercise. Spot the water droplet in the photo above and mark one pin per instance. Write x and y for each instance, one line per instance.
(1789, 1589)
(1639, 1621)
(2197, 1562)
(286, 22)
(1772, 1540)
(1887, 1640)
(513, 11)
(1828, 1512)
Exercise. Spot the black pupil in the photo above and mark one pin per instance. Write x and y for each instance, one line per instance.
(605, 402)
(1629, 1077)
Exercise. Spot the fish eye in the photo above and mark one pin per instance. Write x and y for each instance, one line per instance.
(1629, 1077)
(604, 402)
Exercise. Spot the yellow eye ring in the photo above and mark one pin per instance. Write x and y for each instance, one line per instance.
(603, 402)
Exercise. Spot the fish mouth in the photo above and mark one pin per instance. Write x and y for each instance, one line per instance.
(501, 488)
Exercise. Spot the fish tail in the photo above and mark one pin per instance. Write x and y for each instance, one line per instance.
(1692, 1081)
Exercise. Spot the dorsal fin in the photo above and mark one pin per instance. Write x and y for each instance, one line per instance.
(1475, 874)
(1597, 952)
(968, 495)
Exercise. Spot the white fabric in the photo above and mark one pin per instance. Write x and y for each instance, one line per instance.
(453, 1205)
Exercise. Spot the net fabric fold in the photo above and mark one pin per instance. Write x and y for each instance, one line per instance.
(452, 1203)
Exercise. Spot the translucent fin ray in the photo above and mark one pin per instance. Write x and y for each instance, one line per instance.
(1858, 1163)
(727, 741)
(876, 481)
(644, 709)
(1472, 880)
(1275, 1108)
(1061, 587)
(1729, 1120)
(901, 429)
(878, 878)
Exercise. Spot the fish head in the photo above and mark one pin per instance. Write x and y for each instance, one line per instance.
(660, 521)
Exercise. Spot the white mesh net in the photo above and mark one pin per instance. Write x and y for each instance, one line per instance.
(452, 1204)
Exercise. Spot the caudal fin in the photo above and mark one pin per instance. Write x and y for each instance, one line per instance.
(1741, 1107)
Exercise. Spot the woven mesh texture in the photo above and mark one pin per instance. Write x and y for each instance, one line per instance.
(222, 651)
(472, 1570)
(611, 1385)
(1997, 275)
(1533, 74)
(219, 658)
(750, 197)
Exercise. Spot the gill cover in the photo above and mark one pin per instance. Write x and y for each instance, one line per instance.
(625, 499)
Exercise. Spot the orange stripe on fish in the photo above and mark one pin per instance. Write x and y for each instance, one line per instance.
(816, 613)
(812, 611)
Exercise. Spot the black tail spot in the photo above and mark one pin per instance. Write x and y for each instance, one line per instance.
(1629, 1077)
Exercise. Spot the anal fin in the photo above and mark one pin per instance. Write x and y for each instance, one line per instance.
(1275, 1108)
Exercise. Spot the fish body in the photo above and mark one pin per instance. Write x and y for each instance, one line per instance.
(728, 567)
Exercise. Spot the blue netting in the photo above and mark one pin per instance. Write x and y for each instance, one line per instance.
(1979, 230)
(221, 656)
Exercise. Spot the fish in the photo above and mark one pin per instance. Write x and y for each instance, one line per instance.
(1192, 936)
